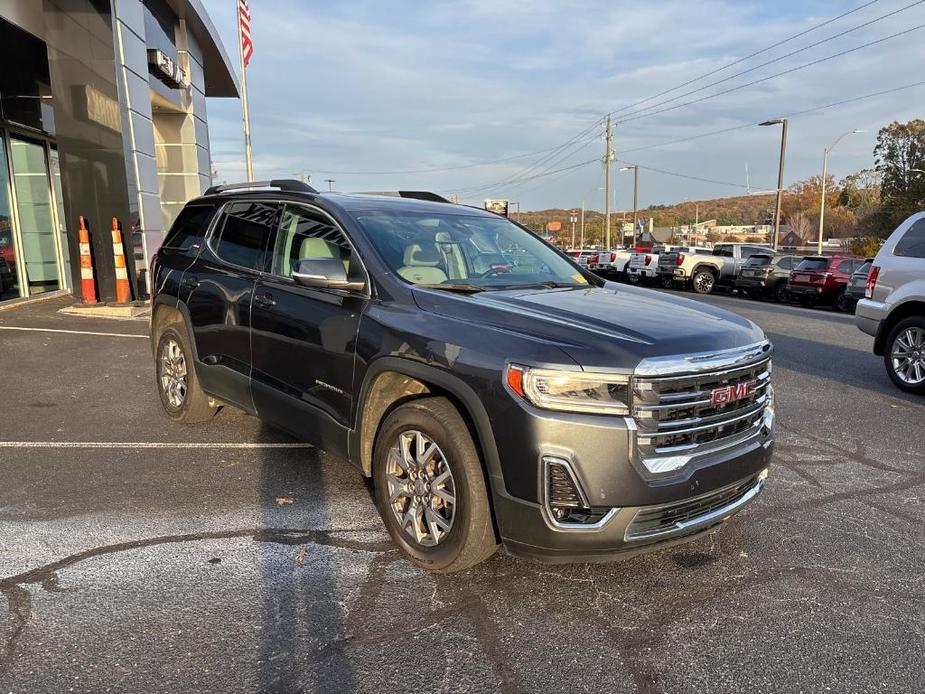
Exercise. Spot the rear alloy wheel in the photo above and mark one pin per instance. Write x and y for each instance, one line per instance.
(905, 355)
(182, 398)
(430, 487)
(703, 281)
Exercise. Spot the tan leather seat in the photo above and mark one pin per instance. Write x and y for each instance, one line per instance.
(422, 261)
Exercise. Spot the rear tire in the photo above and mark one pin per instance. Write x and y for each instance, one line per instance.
(177, 384)
(666, 282)
(843, 302)
(703, 281)
(906, 338)
(436, 534)
(781, 295)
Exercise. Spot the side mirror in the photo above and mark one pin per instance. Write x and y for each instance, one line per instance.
(325, 273)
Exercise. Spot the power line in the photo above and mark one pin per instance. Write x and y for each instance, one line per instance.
(779, 74)
(780, 58)
(791, 115)
(681, 175)
(469, 191)
(747, 57)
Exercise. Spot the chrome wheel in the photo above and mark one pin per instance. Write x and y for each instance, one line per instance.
(422, 492)
(172, 372)
(908, 356)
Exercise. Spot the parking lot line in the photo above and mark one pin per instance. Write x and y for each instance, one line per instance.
(144, 444)
(70, 332)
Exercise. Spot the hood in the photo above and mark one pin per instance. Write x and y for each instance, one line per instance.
(614, 326)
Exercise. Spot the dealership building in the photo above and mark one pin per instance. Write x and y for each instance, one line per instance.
(102, 115)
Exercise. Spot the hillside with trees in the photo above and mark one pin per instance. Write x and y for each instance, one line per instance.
(866, 205)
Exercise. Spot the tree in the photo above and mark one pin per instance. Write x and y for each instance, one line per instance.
(901, 148)
(800, 224)
(866, 246)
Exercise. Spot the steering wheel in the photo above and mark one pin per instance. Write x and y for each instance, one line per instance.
(497, 269)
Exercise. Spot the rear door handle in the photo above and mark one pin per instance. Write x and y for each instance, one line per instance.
(265, 300)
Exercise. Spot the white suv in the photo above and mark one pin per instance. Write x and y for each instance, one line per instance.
(893, 310)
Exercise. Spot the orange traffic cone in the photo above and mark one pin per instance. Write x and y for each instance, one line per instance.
(123, 292)
(87, 287)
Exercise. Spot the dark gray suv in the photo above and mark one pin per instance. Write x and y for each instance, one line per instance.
(492, 389)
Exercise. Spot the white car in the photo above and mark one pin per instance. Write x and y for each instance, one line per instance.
(643, 265)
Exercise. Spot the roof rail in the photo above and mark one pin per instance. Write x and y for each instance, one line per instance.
(414, 194)
(289, 185)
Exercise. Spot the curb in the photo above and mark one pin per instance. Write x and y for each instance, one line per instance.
(113, 310)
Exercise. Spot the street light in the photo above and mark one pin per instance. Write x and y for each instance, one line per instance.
(573, 218)
(780, 172)
(635, 168)
(825, 171)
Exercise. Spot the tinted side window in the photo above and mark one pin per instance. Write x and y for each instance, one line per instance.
(723, 251)
(245, 230)
(306, 234)
(753, 250)
(785, 263)
(846, 266)
(912, 244)
(189, 227)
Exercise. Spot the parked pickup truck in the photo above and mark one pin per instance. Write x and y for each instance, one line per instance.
(528, 403)
(643, 265)
(703, 273)
(667, 262)
(611, 264)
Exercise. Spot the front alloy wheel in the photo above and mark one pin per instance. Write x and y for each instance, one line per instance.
(422, 492)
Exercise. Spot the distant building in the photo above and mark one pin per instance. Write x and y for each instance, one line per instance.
(792, 240)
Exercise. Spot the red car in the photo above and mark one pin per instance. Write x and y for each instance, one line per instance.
(822, 280)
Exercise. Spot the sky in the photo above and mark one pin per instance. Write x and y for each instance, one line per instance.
(504, 98)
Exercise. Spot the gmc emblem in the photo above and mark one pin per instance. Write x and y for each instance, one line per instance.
(729, 394)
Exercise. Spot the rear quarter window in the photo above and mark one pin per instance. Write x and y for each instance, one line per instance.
(912, 244)
(813, 264)
(189, 228)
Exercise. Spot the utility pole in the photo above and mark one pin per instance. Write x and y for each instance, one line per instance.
(608, 157)
(780, 173)
(582, 224)
(573, 218)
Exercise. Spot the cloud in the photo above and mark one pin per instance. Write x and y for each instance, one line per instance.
(394, 86)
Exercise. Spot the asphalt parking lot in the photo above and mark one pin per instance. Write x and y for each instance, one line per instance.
(139, 555)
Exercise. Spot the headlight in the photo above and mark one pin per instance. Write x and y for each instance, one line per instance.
(571, 391)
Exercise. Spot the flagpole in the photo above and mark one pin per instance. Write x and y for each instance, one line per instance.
(248, 154)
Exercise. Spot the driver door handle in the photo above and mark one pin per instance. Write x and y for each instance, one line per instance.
(264, 300)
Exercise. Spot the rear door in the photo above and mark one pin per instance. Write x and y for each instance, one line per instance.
(304, 338)
(218, 289)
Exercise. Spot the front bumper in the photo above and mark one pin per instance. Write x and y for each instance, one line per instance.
(630, 530)
(622, 468)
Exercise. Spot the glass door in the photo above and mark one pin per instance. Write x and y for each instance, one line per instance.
(9, 282)
(63, 254)
(37, 229)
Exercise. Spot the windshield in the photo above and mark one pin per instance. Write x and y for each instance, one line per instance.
(471, 251)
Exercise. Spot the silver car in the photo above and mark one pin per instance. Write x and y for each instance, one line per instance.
(893, 310)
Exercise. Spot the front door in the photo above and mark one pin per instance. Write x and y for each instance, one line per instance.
(304, 339)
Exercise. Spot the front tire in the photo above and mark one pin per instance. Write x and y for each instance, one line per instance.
(177, 384)
(703, 281)
(905, 355)
(781, 295)
(430, 487)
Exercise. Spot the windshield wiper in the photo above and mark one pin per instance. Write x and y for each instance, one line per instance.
(548, 284)
(462, 288)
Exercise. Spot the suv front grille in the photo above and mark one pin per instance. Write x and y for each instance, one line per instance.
(679, 416)
(693, 515)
